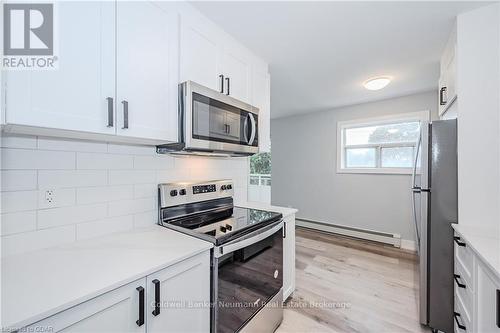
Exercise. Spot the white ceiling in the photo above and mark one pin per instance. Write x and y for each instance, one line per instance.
(321, 52)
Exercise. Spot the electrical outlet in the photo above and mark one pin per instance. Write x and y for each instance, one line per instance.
(50, 196)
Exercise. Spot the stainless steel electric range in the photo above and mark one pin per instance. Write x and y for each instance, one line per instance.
(247, 258)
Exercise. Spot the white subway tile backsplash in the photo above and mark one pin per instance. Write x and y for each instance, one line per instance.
(103, 161)
(121, 177)
(18, 180)
(71, 178)
(71, 145)
(48, 218)
(19, 201)
(131, 149)
(104, 227)
(36, 159)
(146, 219)
(17, 141)
(14, 223)
(127, 207)
(98, 188)
(145, 190)
(34, 240)
(158, 162)
(88, 195)
(60, 198)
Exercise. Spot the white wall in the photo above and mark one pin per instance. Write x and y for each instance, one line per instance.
(99, 188)
(304, 170)
(478, 76)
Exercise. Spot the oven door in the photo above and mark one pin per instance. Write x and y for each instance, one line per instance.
(247, 275)
(217, 122)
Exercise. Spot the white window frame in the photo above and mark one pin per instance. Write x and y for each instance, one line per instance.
(422, 116)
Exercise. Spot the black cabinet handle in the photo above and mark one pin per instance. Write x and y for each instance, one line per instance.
(125, 114)
(221, 83)
(284, 229)
(498, 308)
(456, 277)
(156, 311)
(140, 321)
(227, 81)
(457, 240)
(442, 91)
(110, 111)
(456, 315)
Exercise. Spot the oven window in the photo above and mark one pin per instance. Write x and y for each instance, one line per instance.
(247, 280)
(217, 121)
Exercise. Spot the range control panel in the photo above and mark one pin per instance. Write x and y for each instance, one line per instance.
(173, 194)
(204, 188)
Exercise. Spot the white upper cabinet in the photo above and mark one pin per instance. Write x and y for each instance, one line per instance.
(199, 54)
(74, 96)
(236, 67)
(146, 85)
(261, 99)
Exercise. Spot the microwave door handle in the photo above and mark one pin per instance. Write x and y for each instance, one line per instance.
(254, 129)
(245, 129)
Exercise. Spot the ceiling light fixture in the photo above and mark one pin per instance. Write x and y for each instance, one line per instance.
(377, 83)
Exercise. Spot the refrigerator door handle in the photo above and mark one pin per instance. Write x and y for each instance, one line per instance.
(414, 173)
(415, 222)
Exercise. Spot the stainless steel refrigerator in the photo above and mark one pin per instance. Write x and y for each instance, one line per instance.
(434, 195)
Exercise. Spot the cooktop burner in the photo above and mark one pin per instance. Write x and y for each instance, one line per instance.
(213, 216)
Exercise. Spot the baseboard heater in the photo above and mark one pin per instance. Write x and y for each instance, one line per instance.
(377, 236)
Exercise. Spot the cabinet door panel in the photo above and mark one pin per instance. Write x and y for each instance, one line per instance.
(261, 89)
(199, 54)
(73, 96)
(184, 297)
(237, 68)
(487, 309)
(289, 258)
(114, 311)
(146, 70)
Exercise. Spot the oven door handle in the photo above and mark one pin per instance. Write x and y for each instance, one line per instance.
(235, 246)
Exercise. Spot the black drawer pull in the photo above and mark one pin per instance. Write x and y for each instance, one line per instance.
(457, 240)
(498, 308)
(456, 277)
(156, 311)
(456, 315)
(140, 321)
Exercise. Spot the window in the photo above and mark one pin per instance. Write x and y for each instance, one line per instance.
(379, 145)
(259, 180)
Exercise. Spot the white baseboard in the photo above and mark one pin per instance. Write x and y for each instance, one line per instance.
(377, 236)
(409, 245)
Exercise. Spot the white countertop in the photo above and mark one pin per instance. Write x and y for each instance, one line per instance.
(484, 243)
(39, 284)
(286, 211)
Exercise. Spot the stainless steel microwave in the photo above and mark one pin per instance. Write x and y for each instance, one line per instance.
(213, 123)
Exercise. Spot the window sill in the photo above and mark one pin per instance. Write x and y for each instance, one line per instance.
(381, 171)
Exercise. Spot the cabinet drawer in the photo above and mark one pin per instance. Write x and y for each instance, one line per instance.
(464, 318)
(466, 277)
(465, 295)
(463, 254)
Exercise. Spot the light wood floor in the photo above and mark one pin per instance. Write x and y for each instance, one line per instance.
(366, 287)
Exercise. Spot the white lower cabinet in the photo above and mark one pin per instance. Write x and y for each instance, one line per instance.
(488, 301)
(477, 292)
(183, 292)
(289, 257)
(114, 311)
(184, 298)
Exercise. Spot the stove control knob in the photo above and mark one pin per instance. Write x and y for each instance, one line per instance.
(182, 192)
(229, 186)
(229, 227)
(173, 193)
(223, 188)
(222, 228)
